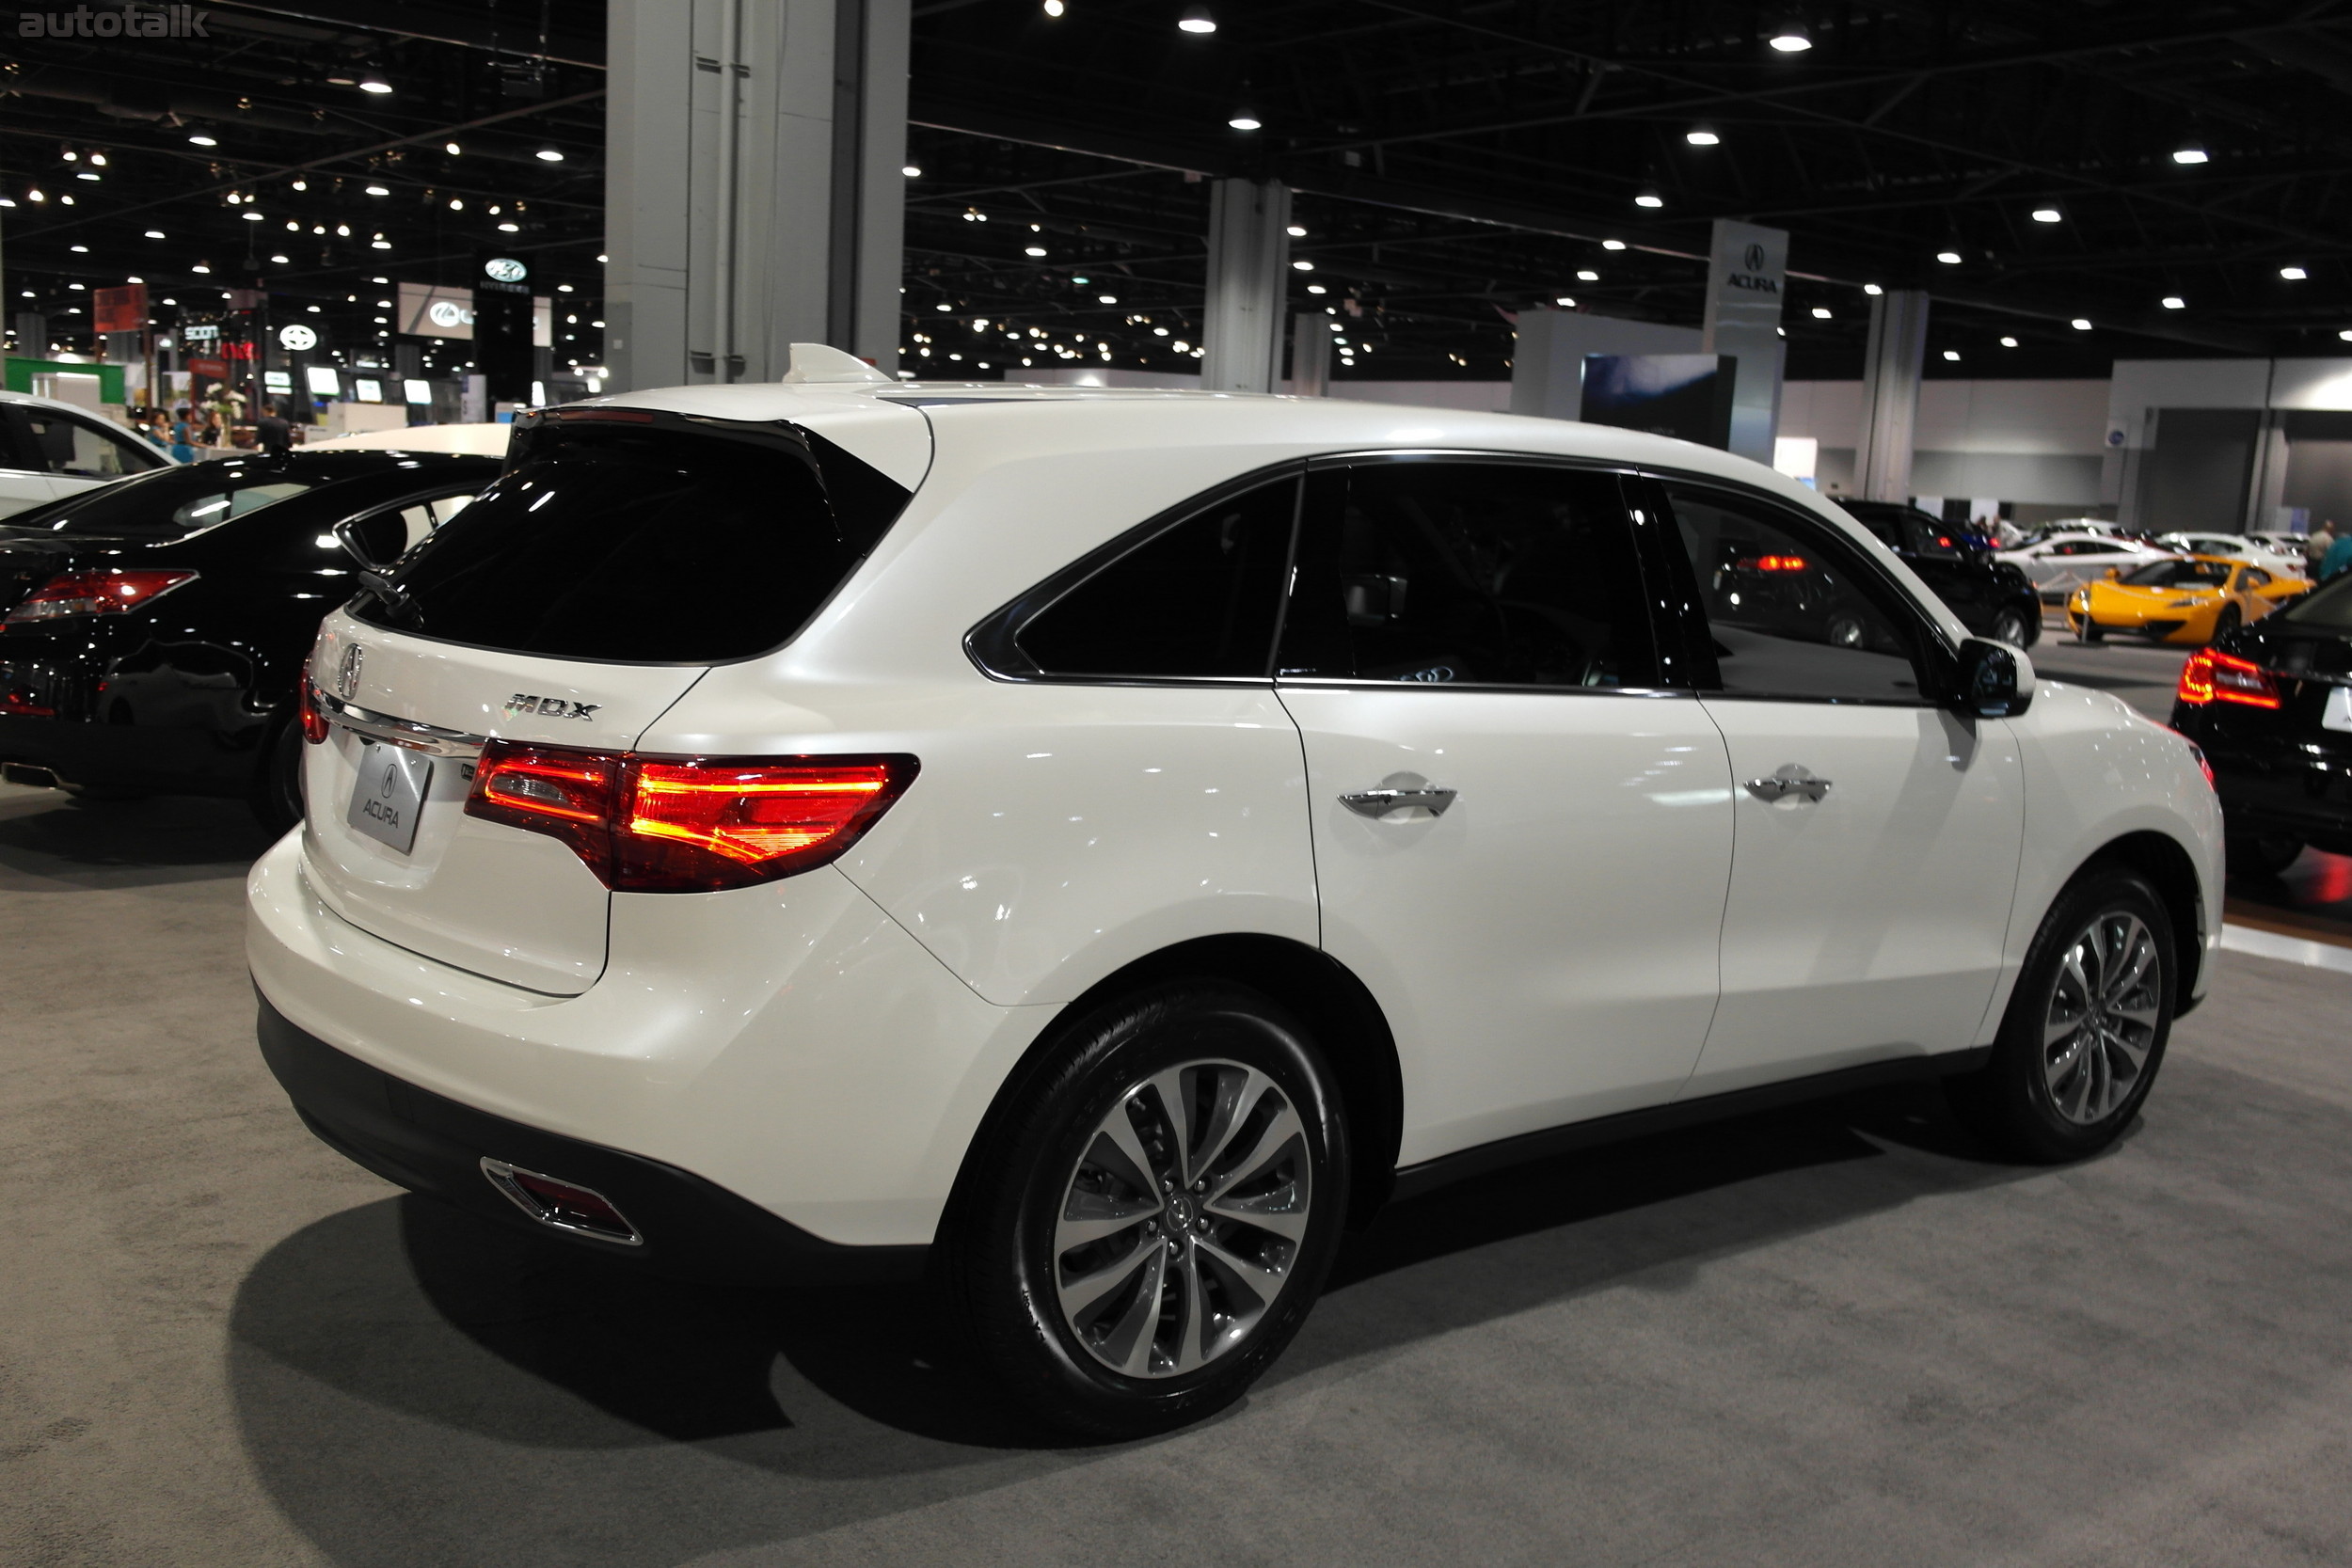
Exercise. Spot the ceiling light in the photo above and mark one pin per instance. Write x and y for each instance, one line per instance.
(2189, 152)
(1564, 302)
(199, 267)
(456, 204)
(912, 171)
(1820, 312)
(1054, 8)
(250, 218)
(1699, 135)
(1952, 354)
(1196, 20)
(1033, 250)
(1872, 290)
(379, 190)
(302, 184)
(1317, 289)
(2345, 334)
(280, 260)
(154, 233)
(2293, 275)
(1792, 38)
(1302, 266)
(203, 141)
(1649, 199)
(2080, 323)
(451, 148)
(2048, 214)
(548, 156)
(1949, 258)
(84, 174)
(380, 244)
(376, 85)
(1245, 121)
(98, 158)
(1107, 299)
(79, 249)
(1297, 230)
(2175, 302)
(510, 227)
(2009, 342)
(1587, 275)
(1613, 245)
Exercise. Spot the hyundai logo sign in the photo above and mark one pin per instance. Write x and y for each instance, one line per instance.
(505, 269)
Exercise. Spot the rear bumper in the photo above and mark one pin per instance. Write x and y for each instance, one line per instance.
(435, 1146)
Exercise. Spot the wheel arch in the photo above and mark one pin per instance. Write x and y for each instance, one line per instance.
(2160, 858)
(1347, 1023)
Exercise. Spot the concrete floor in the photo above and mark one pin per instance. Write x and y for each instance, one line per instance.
(1830, 1336)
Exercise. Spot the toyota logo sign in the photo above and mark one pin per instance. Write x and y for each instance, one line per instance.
(297, 337)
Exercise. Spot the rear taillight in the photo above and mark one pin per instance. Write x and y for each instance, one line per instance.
(687, 824)
(2213, 676)
(97, 592)
(314, 725)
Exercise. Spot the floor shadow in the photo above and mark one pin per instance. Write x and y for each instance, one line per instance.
(415, 1385)
(47, 837)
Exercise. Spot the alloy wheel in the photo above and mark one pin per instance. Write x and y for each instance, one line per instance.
(2101, 1019)
(1182, 1220)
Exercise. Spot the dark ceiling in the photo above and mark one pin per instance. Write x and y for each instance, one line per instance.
(1454, 163)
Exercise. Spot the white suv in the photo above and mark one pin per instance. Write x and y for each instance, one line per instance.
(1095, 847)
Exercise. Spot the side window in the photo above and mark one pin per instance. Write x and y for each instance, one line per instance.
(393, 531)
(1196, 599)
(2254, 579)
(70, 446)
(1792, 612)
(1930, 541)
(1468, 572)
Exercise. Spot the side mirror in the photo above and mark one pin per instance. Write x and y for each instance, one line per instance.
(1992, 680)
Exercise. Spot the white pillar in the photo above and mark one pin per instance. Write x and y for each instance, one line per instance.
(1747, 271)
(1890, 394)
(1310, 355)
(1249, 252)
(754, 198)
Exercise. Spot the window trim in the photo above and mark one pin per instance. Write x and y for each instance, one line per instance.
(1941, 654)
(991, 644)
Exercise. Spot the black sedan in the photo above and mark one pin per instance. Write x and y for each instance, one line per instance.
(2271, 703)
(152, 633)
(1992, 598)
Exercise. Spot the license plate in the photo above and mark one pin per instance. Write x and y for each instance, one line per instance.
(389, 793)
(2337, 714)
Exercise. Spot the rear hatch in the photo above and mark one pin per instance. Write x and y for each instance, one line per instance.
(621, 555)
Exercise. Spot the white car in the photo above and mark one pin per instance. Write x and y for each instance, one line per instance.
(50, 449)
(2237, 547)
(1096, 845)
(2064, 561)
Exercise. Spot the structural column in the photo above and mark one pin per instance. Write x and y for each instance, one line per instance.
(1747, 275)
(1310, 355)
(754, 198)
(1249, 253)
(1890, 394)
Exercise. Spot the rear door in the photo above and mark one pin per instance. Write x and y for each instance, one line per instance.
(1521, 834)
(570, 605)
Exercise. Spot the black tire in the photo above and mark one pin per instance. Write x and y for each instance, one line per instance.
(2260, 854)
(2018, 1100)
(1043, 1163)
(2011, 626)
(277, 793)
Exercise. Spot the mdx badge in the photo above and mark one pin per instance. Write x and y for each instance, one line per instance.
(347, 673)
(550, 707)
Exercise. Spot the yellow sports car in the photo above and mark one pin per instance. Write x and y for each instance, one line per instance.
(2188, 599)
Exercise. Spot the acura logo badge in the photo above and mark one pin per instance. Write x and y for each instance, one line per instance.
(348, 675)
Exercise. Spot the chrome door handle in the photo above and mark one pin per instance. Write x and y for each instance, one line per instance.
(1379, 803)
(1787, 780)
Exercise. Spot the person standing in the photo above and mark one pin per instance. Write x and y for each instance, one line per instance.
(275, 434)
(2337, 561)
(2315, 547)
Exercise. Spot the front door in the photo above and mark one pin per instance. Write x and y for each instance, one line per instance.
(1876, 835)
(1521, 839)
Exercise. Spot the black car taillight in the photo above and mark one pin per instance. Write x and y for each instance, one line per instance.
(108, 592)
(687, 824)
(2213, 676)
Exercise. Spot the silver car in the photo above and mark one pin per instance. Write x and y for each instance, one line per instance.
(2064, 561)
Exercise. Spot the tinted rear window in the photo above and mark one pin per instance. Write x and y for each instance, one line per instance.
(644, 546)
(170, 503)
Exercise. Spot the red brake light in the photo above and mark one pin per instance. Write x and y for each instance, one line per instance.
(96, 592)
(2213, 676)
(1780, 564)
(688, 824)
(314, 725)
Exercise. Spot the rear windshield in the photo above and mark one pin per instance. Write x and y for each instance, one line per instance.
(2180, 573)
(643, 546)
(2327, 608)
(169, 502)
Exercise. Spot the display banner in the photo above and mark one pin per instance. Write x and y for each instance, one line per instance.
(501, 324)
(122, 310)
(1747, 276)
(439, 311)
